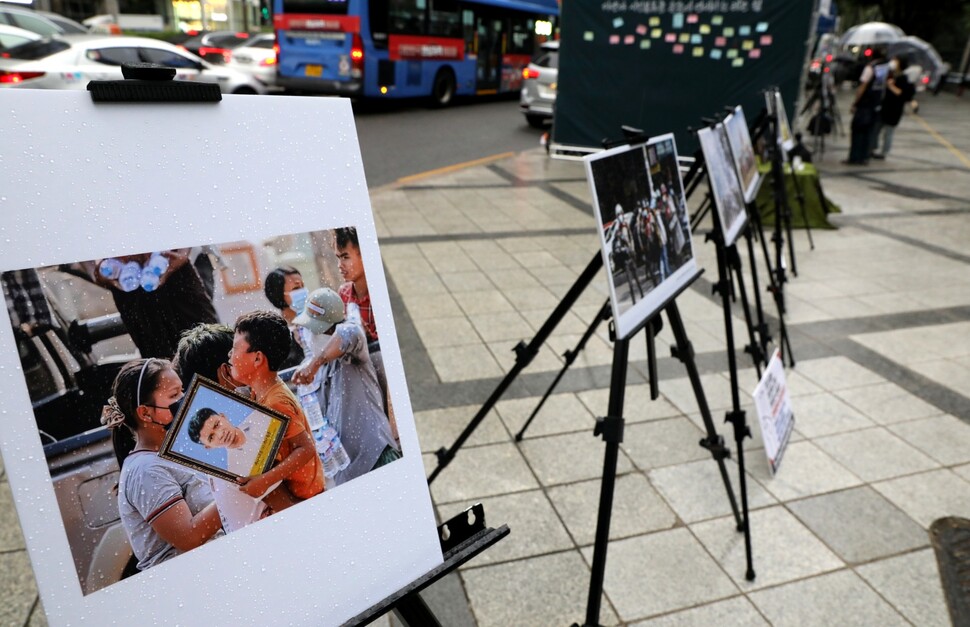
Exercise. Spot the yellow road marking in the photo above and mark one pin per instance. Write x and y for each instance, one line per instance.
(956, 151)
(454, 168)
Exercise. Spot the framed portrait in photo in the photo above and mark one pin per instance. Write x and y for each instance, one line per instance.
(222, 433)
(723, 179)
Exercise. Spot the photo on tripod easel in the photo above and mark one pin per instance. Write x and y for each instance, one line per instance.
(723, 179)
(644, 228)
(742, 153)
(776, 106)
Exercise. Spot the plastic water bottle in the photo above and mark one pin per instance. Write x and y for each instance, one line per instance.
(340, 456)
(323, 432)
(110, 268)
(157, 264)
(130, 276)
(149, 280)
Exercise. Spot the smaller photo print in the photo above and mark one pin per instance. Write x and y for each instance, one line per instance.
(742, 152)
(644, 228)
(723, 179)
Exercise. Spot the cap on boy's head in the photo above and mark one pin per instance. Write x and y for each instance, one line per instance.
(323, 310)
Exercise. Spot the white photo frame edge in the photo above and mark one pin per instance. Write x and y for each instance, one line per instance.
(163, 198)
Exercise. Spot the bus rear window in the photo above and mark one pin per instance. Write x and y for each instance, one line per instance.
(316, 7)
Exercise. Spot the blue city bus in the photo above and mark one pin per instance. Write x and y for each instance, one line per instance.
(409, 48)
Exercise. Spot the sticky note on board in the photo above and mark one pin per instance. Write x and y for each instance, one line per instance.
(617, 22)
(717, 53)
(737, 62)
(717, 20)
(744, 31)
(747, 44)
(614, 39)
(641, 29)
(588, 35)
(732, 53)
(644, 44)
(655, 21)
(656, 33)
(705, 29)
(698, 51)
(693, 18)
(684, 38)
(754, 54)
(761, 27)
(678, 48)
(720, 41)
(629, 39)
(695, 38)
(670, 38)
(729, 31)
(766, 40)
(677, 21)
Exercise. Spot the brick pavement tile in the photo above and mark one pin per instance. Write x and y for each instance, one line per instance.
(841, 598)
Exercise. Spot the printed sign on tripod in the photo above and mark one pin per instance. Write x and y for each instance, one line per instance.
(772, 400)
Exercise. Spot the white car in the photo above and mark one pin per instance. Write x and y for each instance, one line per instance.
(71, 61)
(11, 36)
(256, 57)
(538, 97)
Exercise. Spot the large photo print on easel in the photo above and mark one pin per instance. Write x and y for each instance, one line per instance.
(644, 228)
(280, 342)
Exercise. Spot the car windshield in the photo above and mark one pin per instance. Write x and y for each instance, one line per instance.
(33, 50)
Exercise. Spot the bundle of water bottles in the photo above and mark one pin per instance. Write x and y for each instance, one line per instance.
(329, 447)
(131, 275)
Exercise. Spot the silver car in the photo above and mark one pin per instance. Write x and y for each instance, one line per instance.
(71, 61)
(539, 84)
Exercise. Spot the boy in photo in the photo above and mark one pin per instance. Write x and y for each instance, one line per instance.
(351, 392)
(242, 443)
(260, 345)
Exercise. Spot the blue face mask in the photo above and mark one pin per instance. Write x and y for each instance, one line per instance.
(298, 299)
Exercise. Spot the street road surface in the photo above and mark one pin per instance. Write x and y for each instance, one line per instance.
(402, 139)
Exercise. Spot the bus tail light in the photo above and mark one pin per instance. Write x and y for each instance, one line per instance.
(357, 56)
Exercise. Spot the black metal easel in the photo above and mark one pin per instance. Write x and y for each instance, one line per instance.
(524, 354)
(611, 427)
(462, 537)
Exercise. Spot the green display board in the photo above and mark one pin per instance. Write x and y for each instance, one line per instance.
(662, 65)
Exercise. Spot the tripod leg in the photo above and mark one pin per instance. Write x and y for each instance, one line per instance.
(611, 428)
(726, 259)
(753, 348)
(713, 442)
(800, 194)
(524, 356)
(570, 357)
(764, 338)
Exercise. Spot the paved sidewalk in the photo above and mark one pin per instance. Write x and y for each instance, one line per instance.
(880, 325)
(879, 319)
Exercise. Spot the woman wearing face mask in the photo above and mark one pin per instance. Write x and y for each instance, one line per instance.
(166, 509)
(284, 289)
